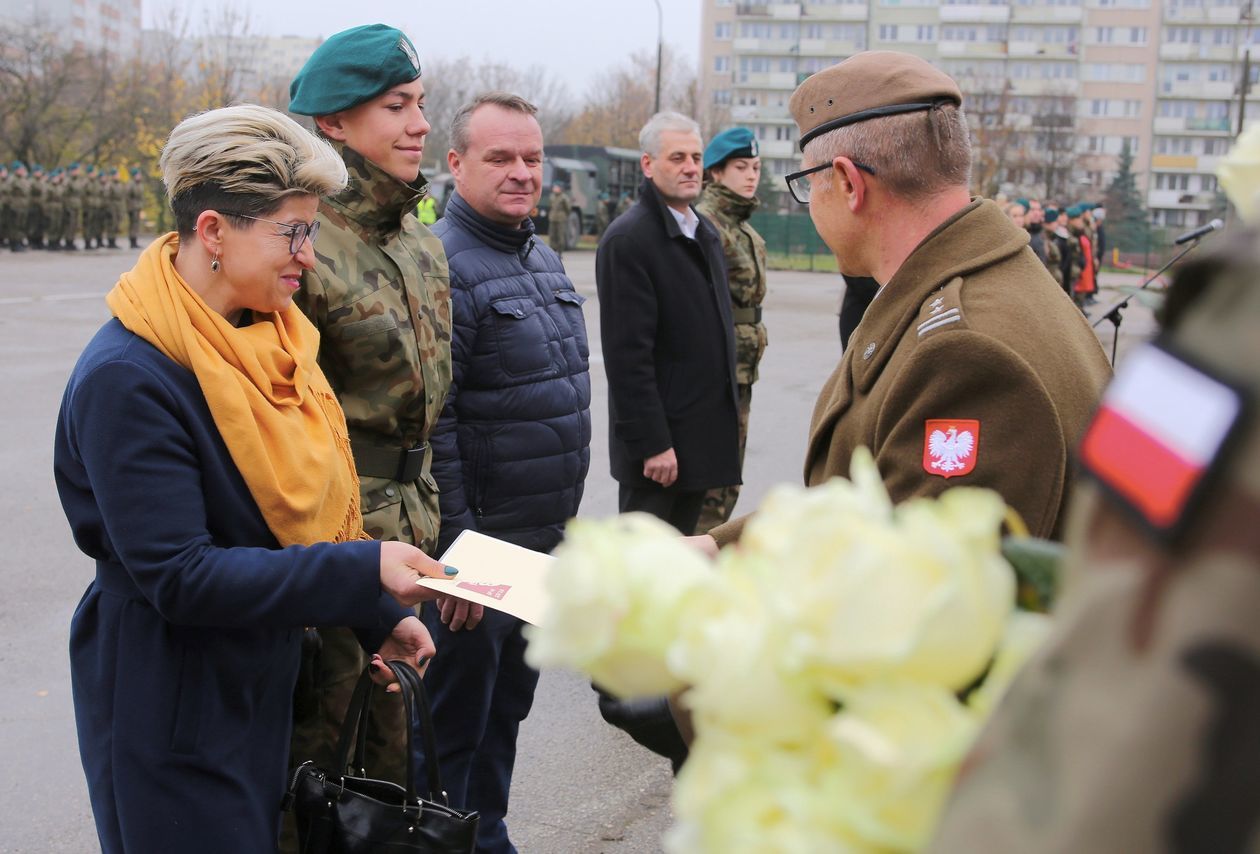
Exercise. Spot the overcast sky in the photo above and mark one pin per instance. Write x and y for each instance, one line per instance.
(573, 39)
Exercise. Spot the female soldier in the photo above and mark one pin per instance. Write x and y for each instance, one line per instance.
(203, 461)
(732, 173)
(379, 292)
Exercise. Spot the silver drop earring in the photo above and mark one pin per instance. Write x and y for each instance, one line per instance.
(214, 265)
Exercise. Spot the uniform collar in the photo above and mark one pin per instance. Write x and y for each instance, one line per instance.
(729, 202)
(375, 199)
(976, 237)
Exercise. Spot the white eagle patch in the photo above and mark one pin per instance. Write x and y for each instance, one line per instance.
(950, 447)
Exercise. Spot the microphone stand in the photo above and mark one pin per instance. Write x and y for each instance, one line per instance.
(1114, 313)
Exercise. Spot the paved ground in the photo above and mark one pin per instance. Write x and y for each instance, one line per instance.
(579, 786)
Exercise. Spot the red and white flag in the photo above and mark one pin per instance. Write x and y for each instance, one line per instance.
(1160, 426)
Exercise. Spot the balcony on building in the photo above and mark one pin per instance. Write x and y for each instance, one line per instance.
(1195, 126)
(1173, 51)
(766, 80)
(777, 148)
(975, 50)
(975, 14)
(1203, 90)
(1202, 14)
(842, 12)
(1046, 87)
(768, 10)
(1043, 14)
(830, 47)
(777, 47)
(1182, 200)
(1043, 49)
(760, 112)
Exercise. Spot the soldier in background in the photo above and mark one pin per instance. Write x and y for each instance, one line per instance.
(135, 206)
(91, 209)
(380, 296)
(1137, 727)
(732, 172)
(623, 204)
(35, 214)
(602, 214)
(6, 213)
(19, 206)
(558, 220)
(117, 195)
(72, 206)
(54, 209)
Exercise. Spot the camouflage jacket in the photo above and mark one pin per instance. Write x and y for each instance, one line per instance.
(135, 195)
(746, 272)
(74, 194)
(1133, 729)
(380, 295)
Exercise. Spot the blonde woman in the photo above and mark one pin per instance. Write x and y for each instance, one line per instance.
(202, 461)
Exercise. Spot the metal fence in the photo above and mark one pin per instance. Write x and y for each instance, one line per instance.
(792, 242)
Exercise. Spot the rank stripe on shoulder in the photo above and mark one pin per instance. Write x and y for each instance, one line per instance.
(1160, 427)
(937, 324)
(953, 312)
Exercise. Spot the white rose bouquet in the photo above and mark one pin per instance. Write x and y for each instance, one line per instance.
(837, 664)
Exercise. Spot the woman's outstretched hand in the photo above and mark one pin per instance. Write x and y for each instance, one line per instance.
(402, 565)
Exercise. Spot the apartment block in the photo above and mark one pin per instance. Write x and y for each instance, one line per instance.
(1055, 89)
(111, 26)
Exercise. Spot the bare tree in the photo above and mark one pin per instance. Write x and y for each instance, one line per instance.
(451, 83)
(620, 100)
(994, 135)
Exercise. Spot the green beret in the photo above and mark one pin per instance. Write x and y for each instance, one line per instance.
(1022, 202)
(1075, 211)
(1051, 214)
(735, 142)
(351, 67)
(17, 164)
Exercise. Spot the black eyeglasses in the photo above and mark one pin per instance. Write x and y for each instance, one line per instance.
(296, 231)
(798, 182)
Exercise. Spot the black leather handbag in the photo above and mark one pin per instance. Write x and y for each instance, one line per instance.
(349, 813)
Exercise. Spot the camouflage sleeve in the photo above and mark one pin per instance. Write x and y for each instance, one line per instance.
(448, 460)
(312, 300)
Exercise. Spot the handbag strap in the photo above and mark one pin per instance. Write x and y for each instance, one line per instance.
(428, 737)
(416, 702)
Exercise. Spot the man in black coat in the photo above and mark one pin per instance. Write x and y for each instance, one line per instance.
(668, 338)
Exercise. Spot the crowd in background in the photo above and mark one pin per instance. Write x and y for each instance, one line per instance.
(50, 209)
(1070, 240)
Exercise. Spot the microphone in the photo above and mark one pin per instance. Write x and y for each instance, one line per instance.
(1199, 232)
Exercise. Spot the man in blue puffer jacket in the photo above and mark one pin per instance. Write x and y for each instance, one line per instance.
(511, 450)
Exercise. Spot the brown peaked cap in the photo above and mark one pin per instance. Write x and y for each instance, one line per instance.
(866, 86)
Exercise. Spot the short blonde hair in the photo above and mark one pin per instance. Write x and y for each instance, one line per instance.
(246, 159)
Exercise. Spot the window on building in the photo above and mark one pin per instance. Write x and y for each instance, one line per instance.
(721, 63)
(722, 96)
(888, 32)
(782, 132)
(722, 30)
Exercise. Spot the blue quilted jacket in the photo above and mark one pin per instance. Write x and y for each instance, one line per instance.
(512, 448)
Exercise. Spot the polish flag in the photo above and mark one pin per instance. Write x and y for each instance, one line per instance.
(1158, 430)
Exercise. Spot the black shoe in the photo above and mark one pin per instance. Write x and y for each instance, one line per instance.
(17, 246)
(649, 722)
(112, 244)
(135, 244)
(69, 246)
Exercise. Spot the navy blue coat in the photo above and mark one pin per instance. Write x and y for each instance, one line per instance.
(512, 448)
(184, 649)
(669, 347)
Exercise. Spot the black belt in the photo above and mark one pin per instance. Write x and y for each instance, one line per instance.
(746, 315)
(401, 464)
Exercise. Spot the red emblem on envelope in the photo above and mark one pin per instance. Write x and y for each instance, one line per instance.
(950, 447)
(494, 591)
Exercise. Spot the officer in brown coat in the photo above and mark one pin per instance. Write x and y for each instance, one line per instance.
(970, 367)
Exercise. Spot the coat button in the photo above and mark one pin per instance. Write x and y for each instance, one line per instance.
(868, 352)
(390, 491)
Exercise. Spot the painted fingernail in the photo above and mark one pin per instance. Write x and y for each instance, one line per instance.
(450, 570)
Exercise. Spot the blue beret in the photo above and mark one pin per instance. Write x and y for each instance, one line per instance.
(1051, 214)
(18, 164)
(351, 67)
(735, 142)
(1023, 203)
(1075, 211)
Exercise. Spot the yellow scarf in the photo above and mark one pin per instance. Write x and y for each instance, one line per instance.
(271, 402)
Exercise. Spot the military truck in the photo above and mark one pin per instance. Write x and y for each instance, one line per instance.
(586, 172)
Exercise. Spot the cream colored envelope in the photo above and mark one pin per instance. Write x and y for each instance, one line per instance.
(497, 575)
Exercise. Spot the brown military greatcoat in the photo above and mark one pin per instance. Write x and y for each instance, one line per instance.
(971, 335)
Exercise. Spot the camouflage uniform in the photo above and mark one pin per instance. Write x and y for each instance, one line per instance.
(601, 214)
(745, 252)
(1135, 728)
(19, 207)
(6, 214)
(73, 216)
(135, 207)
(381, 299)
(116, 199)
(623, 205)
(1054, 256)
(558, 222)
(92, 211)
(54, 210)
(38, 188)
